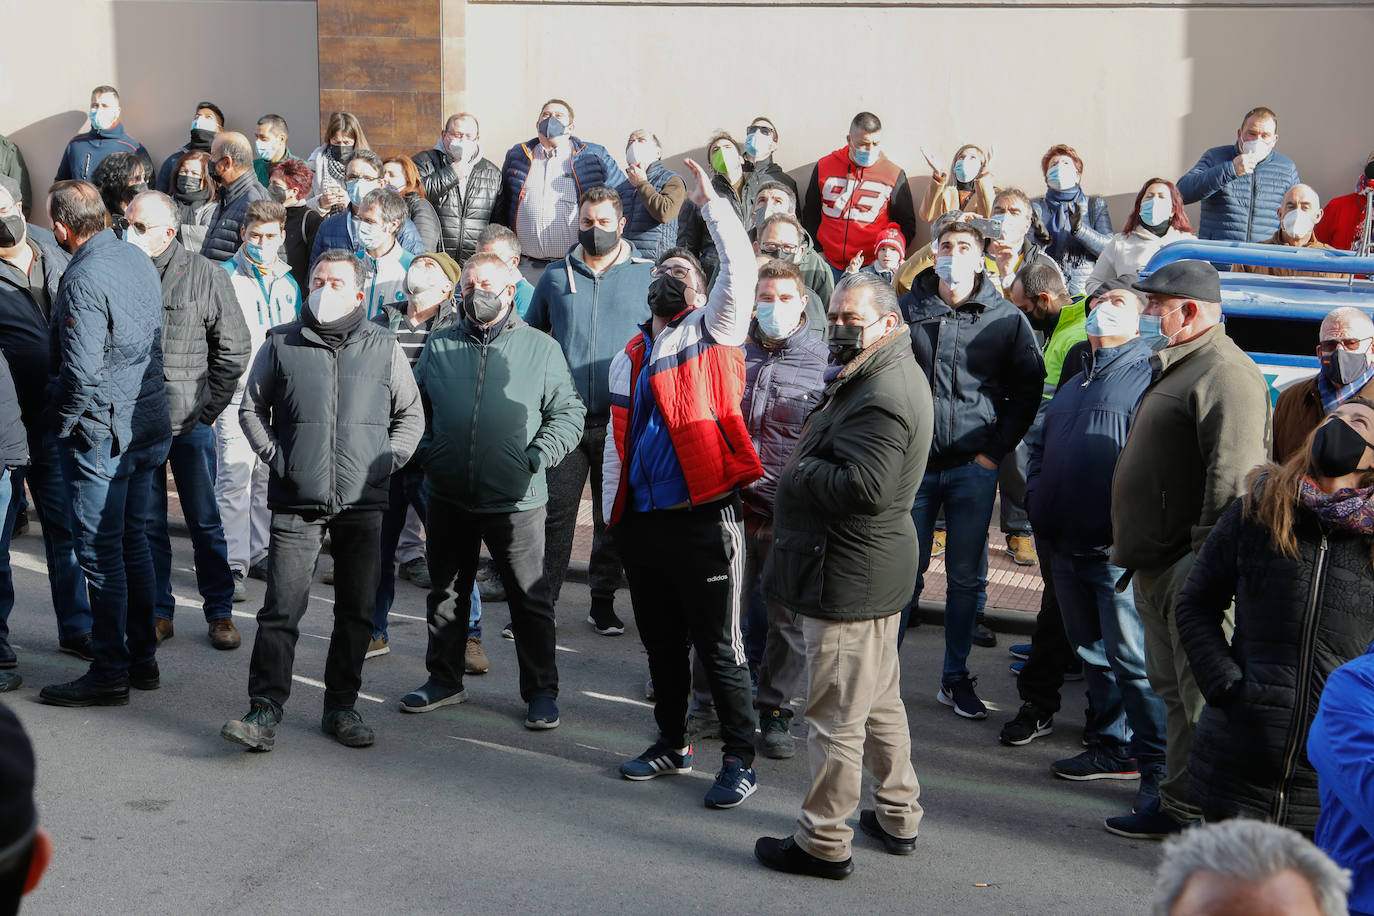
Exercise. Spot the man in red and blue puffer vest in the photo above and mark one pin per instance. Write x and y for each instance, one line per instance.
(678, 454)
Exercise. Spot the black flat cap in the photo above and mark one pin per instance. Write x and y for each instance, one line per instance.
(1125, 281)
(1184, 280)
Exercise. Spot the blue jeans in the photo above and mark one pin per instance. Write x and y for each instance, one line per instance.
(192, 460)
(967, 494)
(112, 500)
(1106, 632)
(52, 497)
(408, 490)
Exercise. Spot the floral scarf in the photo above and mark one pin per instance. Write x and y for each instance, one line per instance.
(1346, 510)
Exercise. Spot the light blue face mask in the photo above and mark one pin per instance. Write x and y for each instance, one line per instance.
(753, 145)
(966, 169)
(1152, 331)
(771, 321)
(358, 188)
(864, 157)
(1108, 319)
(371, 236)
(1155, 211)
(1061, 177)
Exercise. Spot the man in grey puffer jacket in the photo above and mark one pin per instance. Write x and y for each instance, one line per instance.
(204, 351)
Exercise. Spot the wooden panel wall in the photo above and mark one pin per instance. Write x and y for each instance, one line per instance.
(383, 60)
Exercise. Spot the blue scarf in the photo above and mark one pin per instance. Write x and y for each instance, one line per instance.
(1333, 397)
(1058, 203)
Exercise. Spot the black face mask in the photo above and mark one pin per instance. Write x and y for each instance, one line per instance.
(774, 251)
(482, 305)
(189, 184)
(597, 241)
(277, 193)
(1337, 449)
(667, 296)
(12, 230)
(1343, 366)
(845, 342)
(1369, 170)
(201, 139)
(341, 152)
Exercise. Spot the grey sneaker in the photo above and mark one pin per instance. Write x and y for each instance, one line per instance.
(345, 726)
(776, 741)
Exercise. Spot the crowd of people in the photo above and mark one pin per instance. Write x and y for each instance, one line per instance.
(784, 407)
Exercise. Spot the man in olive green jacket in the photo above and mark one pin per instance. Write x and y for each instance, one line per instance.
(1199, 429)
(500, 407)
(844, 558)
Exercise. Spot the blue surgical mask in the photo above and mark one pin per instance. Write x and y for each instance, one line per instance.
(552, 128)
(372, 236)
(358, 188)
(957, 269)
(778, 321)
(864, 157)
(1152, 332)
(263, 149)
(1155, 211)
(104, 118)
(755, 145)
(1062, 177)
(1108, 319)
(967, 169)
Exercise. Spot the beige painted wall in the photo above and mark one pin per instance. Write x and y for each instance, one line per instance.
(1138, 90)
(248, 56)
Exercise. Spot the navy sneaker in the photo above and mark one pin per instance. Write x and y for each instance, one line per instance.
(1020, 650)
(1147, 825)
(658, 760)
(542, 715)
(734, 783)
(7, 657)
(1097, 762)
(962, 699)
(431, 696)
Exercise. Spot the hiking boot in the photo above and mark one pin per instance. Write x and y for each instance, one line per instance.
(937, 543)
(240, 589)
(658, 760)
(699, 727)
(960, 697)
(87, 691)
(734, 783)
(1097, 762)
(1021, 549)
(604, 620)
(431, 696)
(1030, 723)
(164, 629)
(542, 714)
(378, 645)
(345, 726)
(783, 854)
(145, 675)
(474, 659)
(223, 634)
(982, 636)
(256, 731)
(895, 845)
(416, 571)
(775, 735)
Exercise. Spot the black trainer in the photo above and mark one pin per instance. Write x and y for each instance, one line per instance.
(785, 855)
(87, 691)
(1030, 723)
(145, 675)
(897, 846)
(604, 620)
(256, 731)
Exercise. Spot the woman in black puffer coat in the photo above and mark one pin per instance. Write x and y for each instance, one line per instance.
(1295, 554)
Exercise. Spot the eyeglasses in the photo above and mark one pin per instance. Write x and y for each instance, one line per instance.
(760, 129)
(676, 271)
(779, 249)
(145, 228)
(1349, 343)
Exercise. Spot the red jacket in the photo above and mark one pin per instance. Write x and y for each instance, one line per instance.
(848, 207)
(1342, 220)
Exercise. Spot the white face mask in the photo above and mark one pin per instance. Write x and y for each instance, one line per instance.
(104, 118)
(204, 122)
(967, 169)
(1257, 149)
(1108, 319)
(463, 150)
(957, 269)
(1155, 211)
(640, 153)
(1014, 228)
(137, 239)
(328, 304)
(425, 285)
(1298, 224)
(1062, 176)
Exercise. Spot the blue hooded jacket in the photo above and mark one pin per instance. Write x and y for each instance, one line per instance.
(86, 151)
(1340, 745)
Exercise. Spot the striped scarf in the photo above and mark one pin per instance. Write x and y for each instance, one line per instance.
(1333, 397)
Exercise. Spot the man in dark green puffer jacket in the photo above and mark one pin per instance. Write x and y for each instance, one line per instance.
(500, 408)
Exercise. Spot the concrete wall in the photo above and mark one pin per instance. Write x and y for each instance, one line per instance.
(1139, 90)
(248, 56)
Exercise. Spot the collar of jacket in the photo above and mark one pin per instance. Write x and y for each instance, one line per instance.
(874, 357)
(115, 131)
(761, 165)
(927, 287)
(483, 336)
(313, 336)
(239, 186)
(1312, 241)
(574, 262)
(575, 147)
(445, 316)
(1076, 310)
(1096, 362)
(1170, 357)
(164, 261)
(275, 271)
(787, 343)
(102, 239)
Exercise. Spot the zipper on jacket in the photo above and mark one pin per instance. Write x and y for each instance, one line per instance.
(476, 407)
(334, 438)
(1309, 633)
(721, 426)
(1254, 189)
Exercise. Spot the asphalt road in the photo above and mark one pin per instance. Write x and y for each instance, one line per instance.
(463, 810)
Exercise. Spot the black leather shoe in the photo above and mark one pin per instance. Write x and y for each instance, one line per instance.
(982, 636)
(786, 855)
(144, 675)
(87, 691)
(80, 646)
(7, 657)
(868, 823)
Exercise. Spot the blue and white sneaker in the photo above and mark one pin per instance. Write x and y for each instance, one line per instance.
(658, 760)
(1020, 651)
(734, 783)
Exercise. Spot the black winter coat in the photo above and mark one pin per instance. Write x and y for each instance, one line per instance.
(844, 544)
(1297, 620)
(463, 211)
(223, 240)
(205, 341)
(14, 441)
(25, 336)
(426, 222)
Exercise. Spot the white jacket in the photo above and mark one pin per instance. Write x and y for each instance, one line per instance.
(1127, 253)
(266, 301)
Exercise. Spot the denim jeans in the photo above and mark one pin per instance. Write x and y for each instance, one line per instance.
(192, 460)
(294, 549)
(1106, 631)
(967, 494)
(112, 500)
(52, 498)
(407, 492)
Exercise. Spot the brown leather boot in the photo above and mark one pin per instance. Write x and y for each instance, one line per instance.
(223, 634)
(164, 631)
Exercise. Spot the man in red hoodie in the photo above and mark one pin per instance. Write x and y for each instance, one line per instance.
(1342, 222)
(855, 192)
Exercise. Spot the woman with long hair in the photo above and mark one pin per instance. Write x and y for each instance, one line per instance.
(1294, 554)
(400, 175)
(343, 136)
(1157, 219)
(966, 186)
